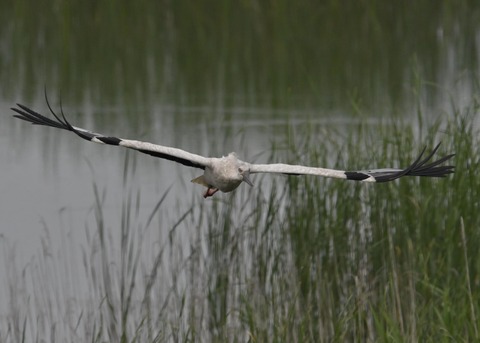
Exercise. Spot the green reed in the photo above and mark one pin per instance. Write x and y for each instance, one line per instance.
(298, 259)
(279, 53)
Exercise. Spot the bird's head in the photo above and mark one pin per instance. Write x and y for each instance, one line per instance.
(242, 169)
(244, 173)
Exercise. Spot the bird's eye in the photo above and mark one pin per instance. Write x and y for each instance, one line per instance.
(240, 170)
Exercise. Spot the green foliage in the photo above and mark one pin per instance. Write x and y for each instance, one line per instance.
(268, 53)
(301, 259)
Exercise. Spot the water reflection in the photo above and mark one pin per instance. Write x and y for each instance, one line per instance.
(260, 54)
(209, 78)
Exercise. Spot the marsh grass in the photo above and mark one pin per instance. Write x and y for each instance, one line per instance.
(267, 53)
(296, 259)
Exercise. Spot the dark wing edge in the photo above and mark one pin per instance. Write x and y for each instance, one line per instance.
(29, 115)
(420, 167)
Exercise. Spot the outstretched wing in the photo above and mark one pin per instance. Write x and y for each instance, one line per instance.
(172, 154)
(420, 167)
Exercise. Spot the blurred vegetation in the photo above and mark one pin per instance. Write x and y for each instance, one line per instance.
(299, 260)
(264, 53)
(304, 259)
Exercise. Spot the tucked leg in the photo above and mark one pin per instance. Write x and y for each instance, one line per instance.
(209, 192)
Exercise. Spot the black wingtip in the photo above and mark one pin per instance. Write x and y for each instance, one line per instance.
(29, 115)
(25, 113)
(421, 167)
(64, 121)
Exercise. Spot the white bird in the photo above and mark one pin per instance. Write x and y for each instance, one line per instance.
(227, 173)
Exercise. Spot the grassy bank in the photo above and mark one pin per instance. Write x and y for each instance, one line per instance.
(300, 260)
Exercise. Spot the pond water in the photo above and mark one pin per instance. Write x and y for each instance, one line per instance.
(235, 77)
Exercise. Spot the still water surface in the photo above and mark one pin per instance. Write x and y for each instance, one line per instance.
(208, 83)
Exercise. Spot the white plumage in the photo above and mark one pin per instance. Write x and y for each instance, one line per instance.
(227, 173)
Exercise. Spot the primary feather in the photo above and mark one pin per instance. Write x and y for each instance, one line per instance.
(226, 173)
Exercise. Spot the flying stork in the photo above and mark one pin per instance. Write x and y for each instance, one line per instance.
(228, 172)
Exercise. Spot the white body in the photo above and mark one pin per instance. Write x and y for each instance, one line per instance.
(228, 172)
